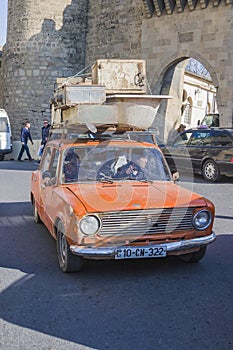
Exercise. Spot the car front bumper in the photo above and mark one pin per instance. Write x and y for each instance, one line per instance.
(173, 248)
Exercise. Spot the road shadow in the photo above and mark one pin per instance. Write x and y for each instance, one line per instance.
(15, 165)
(143, 304)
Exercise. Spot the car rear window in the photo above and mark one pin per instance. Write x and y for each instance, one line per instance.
(4, 125)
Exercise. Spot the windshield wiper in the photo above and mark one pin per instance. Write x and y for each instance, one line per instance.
(146, 180)
(105, 179)
(134, 179)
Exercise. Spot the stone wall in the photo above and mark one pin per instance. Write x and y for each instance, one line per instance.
(114, 29)
(42, 44)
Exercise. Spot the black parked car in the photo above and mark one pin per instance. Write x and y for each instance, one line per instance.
(207, 151)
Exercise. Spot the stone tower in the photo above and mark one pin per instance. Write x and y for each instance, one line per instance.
(45, 40)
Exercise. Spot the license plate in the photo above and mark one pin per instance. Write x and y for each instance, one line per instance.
(139, 252)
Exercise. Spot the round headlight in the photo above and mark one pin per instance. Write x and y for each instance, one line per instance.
(89, 225)
(202, 219)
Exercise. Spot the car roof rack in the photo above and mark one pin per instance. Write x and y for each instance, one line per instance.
(105, 100)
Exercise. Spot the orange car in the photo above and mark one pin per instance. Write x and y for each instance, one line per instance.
(116, 199)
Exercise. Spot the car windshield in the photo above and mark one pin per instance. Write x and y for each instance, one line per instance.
(113, 163)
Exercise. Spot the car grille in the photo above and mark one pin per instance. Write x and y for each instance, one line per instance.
(138, 222)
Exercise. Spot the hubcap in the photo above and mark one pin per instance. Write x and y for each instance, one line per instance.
(210, 170)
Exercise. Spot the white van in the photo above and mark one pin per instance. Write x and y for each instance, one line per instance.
(5, 134)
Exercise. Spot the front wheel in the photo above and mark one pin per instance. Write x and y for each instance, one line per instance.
(68, 262)
(193, 257)
(2, 156)
(210, 171)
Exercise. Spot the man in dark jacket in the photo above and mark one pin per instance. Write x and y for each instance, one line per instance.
(44, 135)
(45, 132)
(25, 135)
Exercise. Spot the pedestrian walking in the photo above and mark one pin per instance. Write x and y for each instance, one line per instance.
(25, 136)
(44, 135)
(45, 132)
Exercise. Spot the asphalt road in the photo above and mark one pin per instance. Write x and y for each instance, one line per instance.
(150, 304)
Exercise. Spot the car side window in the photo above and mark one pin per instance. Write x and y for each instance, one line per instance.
(44, 166)
(200, 138)
(54, 163)
(49, 167)
(220, 138)
(182, 139)
(70, 165)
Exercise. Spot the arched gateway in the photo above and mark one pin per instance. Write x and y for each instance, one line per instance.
(198, 29)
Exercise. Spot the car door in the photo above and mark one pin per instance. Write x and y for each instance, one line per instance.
(222, 151)
(199, 147)
(48, 182)
(177, 154)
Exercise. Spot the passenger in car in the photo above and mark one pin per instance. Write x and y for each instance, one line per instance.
(71, 166)
(132, 170)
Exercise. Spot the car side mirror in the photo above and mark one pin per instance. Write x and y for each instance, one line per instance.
(175, 176)
(47, 179)
(46, 174)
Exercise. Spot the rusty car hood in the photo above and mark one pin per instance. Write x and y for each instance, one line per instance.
(99, 197)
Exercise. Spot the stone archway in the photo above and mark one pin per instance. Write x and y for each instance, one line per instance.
(204, 34)
(170, 81)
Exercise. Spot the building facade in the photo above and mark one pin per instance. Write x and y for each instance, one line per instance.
(199, 99)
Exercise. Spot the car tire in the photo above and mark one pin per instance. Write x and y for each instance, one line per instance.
(2, 156)
(68, 262)
(193, 257)
(210, 171)
(36, 215)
